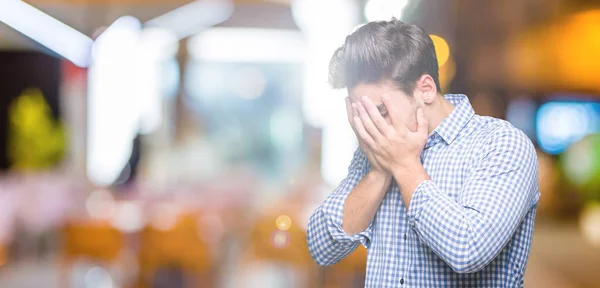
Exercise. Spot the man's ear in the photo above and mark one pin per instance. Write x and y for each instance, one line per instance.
(426, 89)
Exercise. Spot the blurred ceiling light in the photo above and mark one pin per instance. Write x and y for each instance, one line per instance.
(194, 17)
(112, 116)
(247, 45)
(326, 24)
(49, 32)
(122, 24)
(171, 79)
(442, 50)
(124, 176)
(376, 10)
(155, 47)
(159, 43)
(318, 16)
(589, 223)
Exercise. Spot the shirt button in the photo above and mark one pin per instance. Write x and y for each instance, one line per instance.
(404, 236)
(401, 281)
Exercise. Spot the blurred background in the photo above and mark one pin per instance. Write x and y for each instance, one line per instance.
(169, 143)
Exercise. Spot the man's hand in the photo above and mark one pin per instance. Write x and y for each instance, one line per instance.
(395, 147)
(375, 166)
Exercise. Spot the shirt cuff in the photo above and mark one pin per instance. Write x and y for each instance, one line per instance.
(339, 235)
(419, 201)
(333, 211)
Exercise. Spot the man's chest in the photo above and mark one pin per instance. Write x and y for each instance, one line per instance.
(448, 166)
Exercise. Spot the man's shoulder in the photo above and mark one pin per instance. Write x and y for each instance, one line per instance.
(491, 128)
(494, 134)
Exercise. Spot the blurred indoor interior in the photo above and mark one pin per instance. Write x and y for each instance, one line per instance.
(169, 143)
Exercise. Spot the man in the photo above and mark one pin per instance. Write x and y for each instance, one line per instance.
(440, 196)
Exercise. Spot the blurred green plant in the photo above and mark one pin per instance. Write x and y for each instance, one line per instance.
(581, 166)
(36, 140)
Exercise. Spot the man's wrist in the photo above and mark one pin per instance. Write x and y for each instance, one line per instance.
(406, 173)
(379, 175)
(380, 178)
(408, 178)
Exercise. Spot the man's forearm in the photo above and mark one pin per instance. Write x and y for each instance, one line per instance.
(408, 180)
(363, 201)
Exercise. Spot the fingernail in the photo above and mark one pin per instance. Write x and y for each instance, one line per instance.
(364, 99)
(384, 99)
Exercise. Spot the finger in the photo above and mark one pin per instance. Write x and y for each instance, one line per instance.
(422, 123)
(362, 132)
(375, 115)
(355, 112)
(368, 123)
(397, 122)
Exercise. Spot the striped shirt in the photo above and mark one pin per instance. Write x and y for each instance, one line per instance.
(471, 225)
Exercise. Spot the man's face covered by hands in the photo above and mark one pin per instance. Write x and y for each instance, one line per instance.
(406, 105)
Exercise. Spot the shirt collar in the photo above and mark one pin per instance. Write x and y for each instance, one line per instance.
(449, 129)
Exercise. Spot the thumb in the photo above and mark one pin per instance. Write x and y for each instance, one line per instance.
(422, 123)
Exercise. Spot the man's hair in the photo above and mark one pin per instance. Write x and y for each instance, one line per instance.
(384, 50)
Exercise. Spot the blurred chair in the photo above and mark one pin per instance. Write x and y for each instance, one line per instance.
(97, 241)
(177, 251)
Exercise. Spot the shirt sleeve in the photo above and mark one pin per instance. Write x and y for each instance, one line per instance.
(328, 243)
(496, 196)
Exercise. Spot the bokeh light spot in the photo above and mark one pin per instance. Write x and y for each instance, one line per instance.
(283, 222)
(590, 223)
(98, 277)
(442, 50)
(280, 239)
